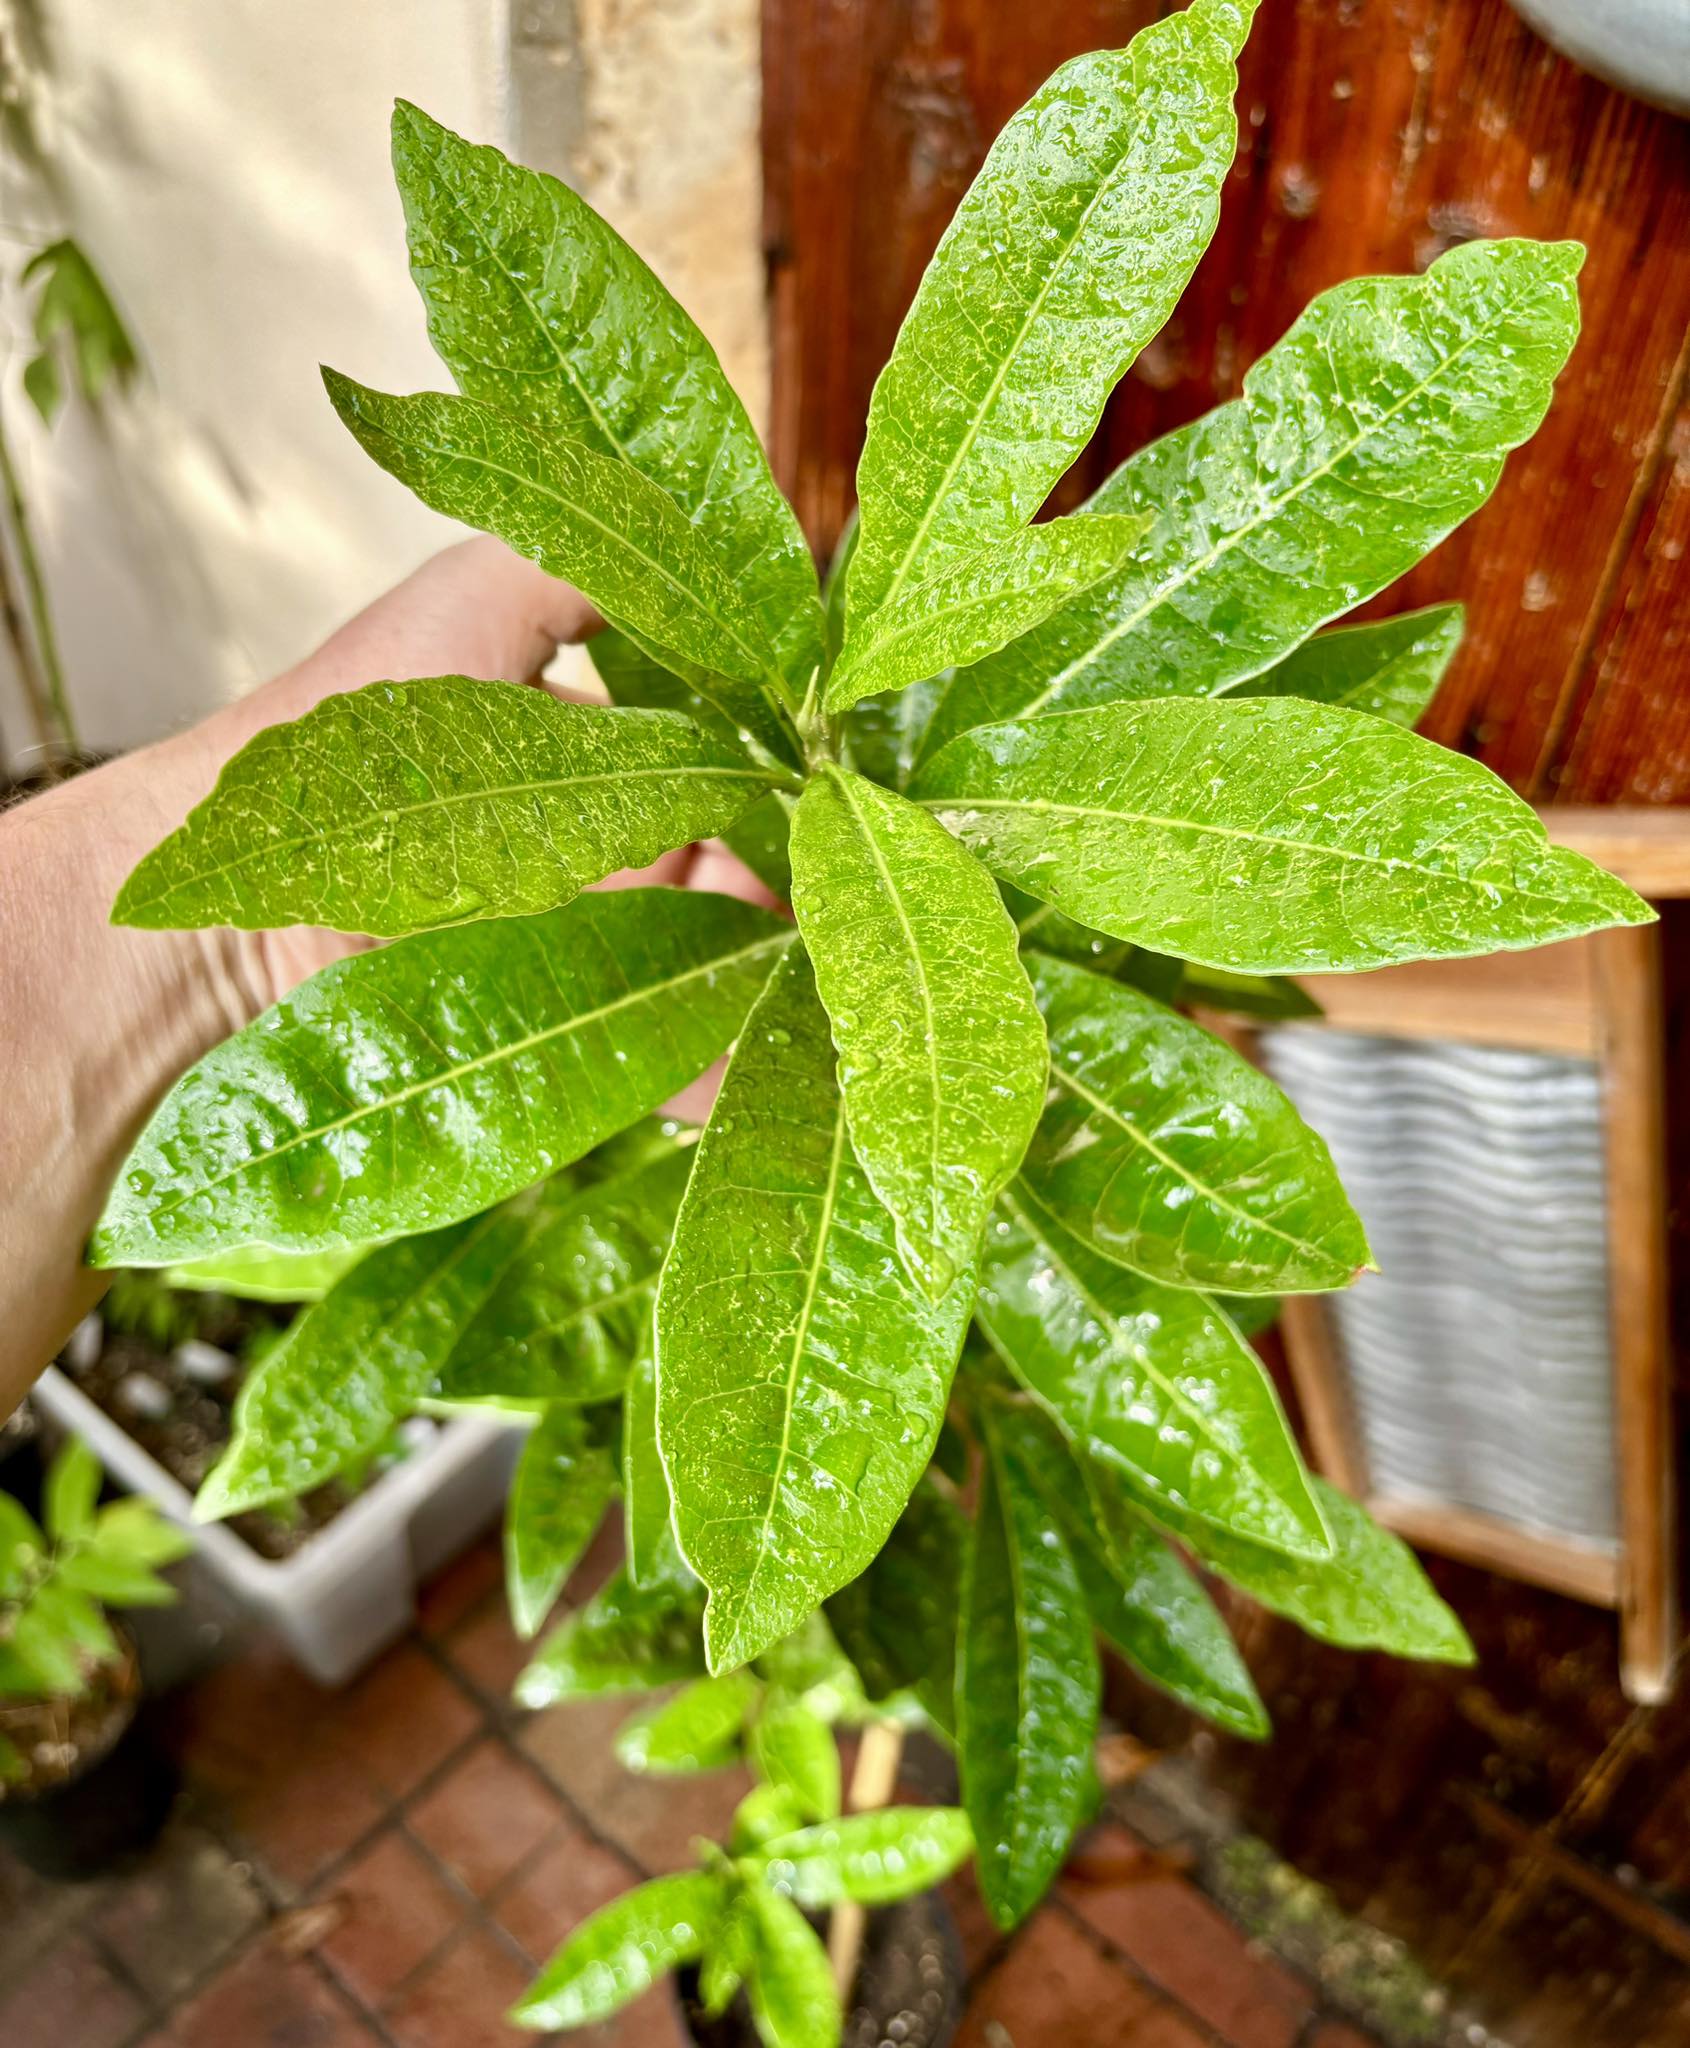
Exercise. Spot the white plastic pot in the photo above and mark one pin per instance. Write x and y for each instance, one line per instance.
(351, 1589)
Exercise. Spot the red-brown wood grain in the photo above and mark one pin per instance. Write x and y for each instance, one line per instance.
(1374, 134)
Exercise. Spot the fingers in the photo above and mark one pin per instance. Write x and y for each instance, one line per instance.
(715, 868)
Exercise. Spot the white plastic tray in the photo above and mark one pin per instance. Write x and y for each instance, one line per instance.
(349, 1591)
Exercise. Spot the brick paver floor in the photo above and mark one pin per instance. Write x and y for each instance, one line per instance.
(390, 1864)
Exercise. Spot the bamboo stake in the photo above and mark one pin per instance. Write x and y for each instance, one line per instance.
(873, 1781)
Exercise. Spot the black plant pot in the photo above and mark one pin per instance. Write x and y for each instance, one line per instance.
(908, 1992)
(106, 1814)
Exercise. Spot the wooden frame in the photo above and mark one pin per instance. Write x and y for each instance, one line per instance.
(1598, 997)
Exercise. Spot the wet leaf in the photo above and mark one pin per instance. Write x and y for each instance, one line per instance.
(874, 1858)
(1271, 998)
(790, 1985)
(897, 1621)
(623, 1949)
(627, 1638)
(254, 1273)
(801, 1377)
(1389, 668)
(405, 1088)
(941, 1049)
(1268, 837)
(1167, 1151)
(698, 1730)
(407, 806)
(652, 1552)
(564, 1481)
(793, 1747)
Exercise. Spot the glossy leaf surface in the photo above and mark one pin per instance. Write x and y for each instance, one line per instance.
(1064, 258)
(941, 1048)
(882, 735)
(697, 1730)
(1273, 998)
(793, 1749)
(627, 1638)
(405, 1088)
(407, 806)
(255, 1274)
(623, 1949)
(1169, 1152)
(565, 1479)
(539, 307)
(897, 1622)
(979, 601)
(1152, 1379)
(649, 1540)
(1374, 428)
(801, 1377)
(1266, 836)
(790, 1984)
(1028, 1687)
(636, 680)
(874, 1858)
(597, 522)
(1389, 668)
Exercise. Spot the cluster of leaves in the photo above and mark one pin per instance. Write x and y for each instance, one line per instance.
(55, 1581)
(1029, 787)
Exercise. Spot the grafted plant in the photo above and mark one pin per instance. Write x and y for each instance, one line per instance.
(1029, 787)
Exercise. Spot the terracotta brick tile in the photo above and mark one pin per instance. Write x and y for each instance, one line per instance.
(486, 1816)
(571, 1877)
(1183, 1943)
(651, 1820)
(33, 1915)
(978, 1932)
(68, 1997)
(1338, 2034)
(489, 1653)
(249, 1719)
(395, 1911)
(1055, 1985)
(269, 1999)
(301, 1819)
(402, 1719)
(460, 2000)
(177, 1916)
(462, 1586)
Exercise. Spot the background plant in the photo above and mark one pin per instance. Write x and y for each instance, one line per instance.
(1029, 787)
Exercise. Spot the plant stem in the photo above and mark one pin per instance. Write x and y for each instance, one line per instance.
(873, 1781)
(38, 657)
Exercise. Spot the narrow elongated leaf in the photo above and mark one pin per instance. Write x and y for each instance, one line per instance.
(21, 1547)
(254, 1273)
(636, 680)
(1370, 1594)
(565, 1479)
(618, 537)
(801, 1378)
(1389, 669)
(407, 806)
(883, 735)
(405, 1088)
(941, 1050)
(1268, 837)
(627, 1638)
(1143, 1601)
(1028, 1688)
(652, 1552)
(833, 590)
(874, 1858)
(623, 1949)
(71, 1492)
(1371, 431)
(793, 1747)
(980, 600)
(1165, 1150)
(1064, 258)
(790, 1984)
(1154, 1380)
(762, 838)
(697, 1730)
(115, 1582)
(539, 307)
(1272, 997)
(897, 1622)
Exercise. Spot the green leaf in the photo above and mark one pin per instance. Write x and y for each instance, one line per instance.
(71, 1492)
(13, 1767)
(833, 591)
(622, 1950)
(42, 1652)
(790, 1984)
(116, 1582)
(1028, 1689)
(1374, 428)
(66, 1612)
(1272, 998)
(627, 1638)
(874, 1858)
(765, 1814)
(801, 1378)
(897, 1621)
(697, 1730)
(1370, 1594)
(882, 735)
(589, 518)
(653, 1554)
(1142, 1599)
(406, 806)
(132, 1531)
(941, 1050)
(792, 1746)
(1154, 1380)
(1065, 257)
(74, 305)
(406, 1088)
(564, 1481)
(1390, 669)
(1268, 837)
(730, 1956)
(255, 1273)
(539, 307)
(979, 601)
(636, 680)
(1167, 1151)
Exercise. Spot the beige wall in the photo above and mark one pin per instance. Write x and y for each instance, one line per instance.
(225, 162)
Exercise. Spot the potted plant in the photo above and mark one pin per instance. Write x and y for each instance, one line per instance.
(81, 1784)
(1036, 785)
